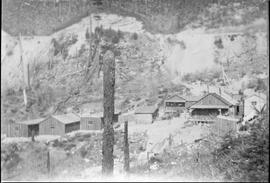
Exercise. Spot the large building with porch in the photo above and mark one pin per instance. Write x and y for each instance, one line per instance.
(212, 105)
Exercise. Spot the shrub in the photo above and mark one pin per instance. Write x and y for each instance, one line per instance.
(245, 158)
(82, 49)
(135, 36)
(9, 53)
(87, 35)
(218, 43)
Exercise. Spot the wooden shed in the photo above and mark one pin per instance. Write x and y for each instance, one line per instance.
(32, 125)
(59, 124)
(94, 121)
(146, 114)
(16, 130)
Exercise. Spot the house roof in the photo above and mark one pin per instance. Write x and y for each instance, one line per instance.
(177, 98)
(192, 98)
(94, 115)
(31, 122)
(206, 106)
(229, 98)
(209, 107)
(67, 118)
(261, 96)
(146, 110)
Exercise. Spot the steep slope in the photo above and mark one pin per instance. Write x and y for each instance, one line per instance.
(147, 63)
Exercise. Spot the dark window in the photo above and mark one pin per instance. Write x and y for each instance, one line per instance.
(175, 104)
(90, 122)
(253, 102)
(16, 128)
(52, 126)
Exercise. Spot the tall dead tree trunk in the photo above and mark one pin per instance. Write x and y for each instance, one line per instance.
(108, 104)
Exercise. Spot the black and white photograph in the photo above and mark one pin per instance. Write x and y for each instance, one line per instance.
(135, 91)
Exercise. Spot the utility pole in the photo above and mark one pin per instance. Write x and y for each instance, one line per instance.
(126, 148)
(108, 104)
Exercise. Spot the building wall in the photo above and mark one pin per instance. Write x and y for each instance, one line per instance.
(51, 126)
(144, 118)
(90, 123)
(72, 127)
(248, 108)
(16, 130)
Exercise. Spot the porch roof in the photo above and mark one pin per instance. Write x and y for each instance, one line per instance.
(209, 107)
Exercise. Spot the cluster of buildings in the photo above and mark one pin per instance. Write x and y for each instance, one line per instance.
(201, 109)
(57, 124)
(206, 108)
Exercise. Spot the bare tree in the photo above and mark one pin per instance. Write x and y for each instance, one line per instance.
(108, 103)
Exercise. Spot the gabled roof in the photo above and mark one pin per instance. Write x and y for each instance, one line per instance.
(261, 96)
(229, 98)
(192, 98)
(146, 110)
(67, 118)
(175, 98)
(31, 122)
(178, 98)
(197, 105)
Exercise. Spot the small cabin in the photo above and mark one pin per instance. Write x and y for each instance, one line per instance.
(253, 103)
(146, 114)
(212, 105)
(178, 104)
(32, 126)
(94, 121)
(59, 124)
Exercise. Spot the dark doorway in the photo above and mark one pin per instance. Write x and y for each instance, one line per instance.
(34, 128)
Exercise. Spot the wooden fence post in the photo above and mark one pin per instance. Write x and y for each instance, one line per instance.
(48, 162)
(126, 148)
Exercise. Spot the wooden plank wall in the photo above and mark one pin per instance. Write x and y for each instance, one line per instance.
(17, 130)
(95, 126)
(45, 127)
(72, 127)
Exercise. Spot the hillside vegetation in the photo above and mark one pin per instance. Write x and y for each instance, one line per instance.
(159, 16)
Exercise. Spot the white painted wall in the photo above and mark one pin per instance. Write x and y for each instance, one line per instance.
(248, 108)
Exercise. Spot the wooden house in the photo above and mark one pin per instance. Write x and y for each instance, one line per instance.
(178, 104)
(32, 125)
(95, 121)
(253, 103)
(146, 114)
(59, 124)
(213, 105)
(16, 130)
